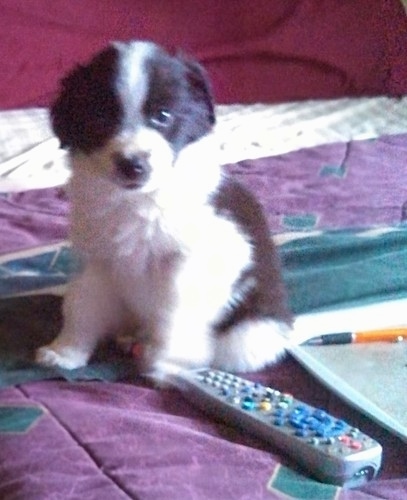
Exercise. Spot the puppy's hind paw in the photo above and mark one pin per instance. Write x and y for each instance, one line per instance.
(66, 357)
(251, 346)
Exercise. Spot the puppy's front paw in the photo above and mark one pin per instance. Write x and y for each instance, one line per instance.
(64, 357)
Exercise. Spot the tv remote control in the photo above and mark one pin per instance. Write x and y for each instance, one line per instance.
(329, 448)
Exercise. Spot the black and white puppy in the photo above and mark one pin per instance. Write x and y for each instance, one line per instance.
(174, 253)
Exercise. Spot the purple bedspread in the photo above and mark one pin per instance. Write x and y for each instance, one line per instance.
(339, 185)
(125, 440)
(120, 440)
(354, 184)
(32, 218)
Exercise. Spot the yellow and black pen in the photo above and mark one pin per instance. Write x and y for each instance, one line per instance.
(384, 335)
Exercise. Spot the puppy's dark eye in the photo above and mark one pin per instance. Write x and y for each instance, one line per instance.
(162, 118)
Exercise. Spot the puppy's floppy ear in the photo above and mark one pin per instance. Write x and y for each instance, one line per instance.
(64, 107)
(200, 86)
(86, 111)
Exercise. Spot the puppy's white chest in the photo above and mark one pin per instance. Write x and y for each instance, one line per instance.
(107, 223)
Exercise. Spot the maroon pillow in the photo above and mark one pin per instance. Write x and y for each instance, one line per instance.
(260, 50)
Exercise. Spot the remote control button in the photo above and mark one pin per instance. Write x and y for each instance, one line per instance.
(345, 440)
(226, 391)
(301, 408)
(356, 445)
(302, 432)
(265, 405)
(319, 414)
(341, 423)
(279, 412)
(270, 393)
(322, 432)
(287, 398)
(335, 432)
(312, 423)
(245, 390)
(248, 403)
(299, 425)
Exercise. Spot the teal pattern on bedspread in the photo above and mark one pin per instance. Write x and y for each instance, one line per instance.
(344, 268)
(322, 269)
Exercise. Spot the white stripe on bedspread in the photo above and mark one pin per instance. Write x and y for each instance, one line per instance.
(266, 130)
(30, 157)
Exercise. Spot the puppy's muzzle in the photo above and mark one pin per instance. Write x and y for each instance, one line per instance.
(131, 171)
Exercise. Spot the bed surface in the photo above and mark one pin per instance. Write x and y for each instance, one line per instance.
(312, 117)
(338, 203)
(101, 432)
(123, 440)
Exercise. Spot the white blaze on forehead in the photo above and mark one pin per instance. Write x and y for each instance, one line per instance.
(133, 78)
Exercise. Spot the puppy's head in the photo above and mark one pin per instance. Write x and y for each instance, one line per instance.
(131, 110)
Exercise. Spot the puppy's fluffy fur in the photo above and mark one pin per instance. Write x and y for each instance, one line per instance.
(174, 253)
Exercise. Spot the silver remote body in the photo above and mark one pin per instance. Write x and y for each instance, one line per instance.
(329, 448)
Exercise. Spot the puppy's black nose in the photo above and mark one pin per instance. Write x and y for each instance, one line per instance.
(134, 170)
